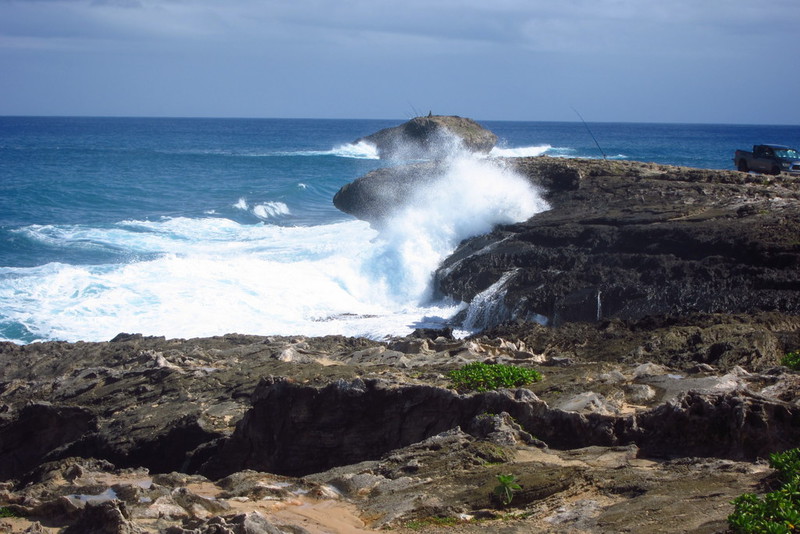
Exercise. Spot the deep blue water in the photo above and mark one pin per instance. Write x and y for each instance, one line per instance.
(185, 227)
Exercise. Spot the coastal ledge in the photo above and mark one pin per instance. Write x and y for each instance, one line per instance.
(292, 434)
(629, 239)
(622, 239)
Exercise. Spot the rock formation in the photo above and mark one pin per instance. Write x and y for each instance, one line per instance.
(627, 240)
(232, 433)
(374, 196)
(431, 137)
(621, 240)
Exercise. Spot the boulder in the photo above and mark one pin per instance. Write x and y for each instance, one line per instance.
(374, 196)
(431, 137)
(109, 517)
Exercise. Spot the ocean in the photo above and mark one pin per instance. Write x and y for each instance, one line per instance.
(199, 227)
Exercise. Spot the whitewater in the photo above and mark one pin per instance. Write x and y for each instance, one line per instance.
(199, 227)
(211, 274)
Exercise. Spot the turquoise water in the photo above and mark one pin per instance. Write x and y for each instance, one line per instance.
(195, 227)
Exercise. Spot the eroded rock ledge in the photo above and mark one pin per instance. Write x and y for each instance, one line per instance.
(348, 422)
(188, 436)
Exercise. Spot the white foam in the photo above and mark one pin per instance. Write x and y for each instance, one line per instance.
(360, 150)
(269, 210)
(488, 307)
(469, 198)
(519, 152)
(212, 276)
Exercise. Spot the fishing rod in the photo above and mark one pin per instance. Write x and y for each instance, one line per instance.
(590, 132)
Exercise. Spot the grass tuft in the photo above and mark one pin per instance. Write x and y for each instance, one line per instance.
(479, 376)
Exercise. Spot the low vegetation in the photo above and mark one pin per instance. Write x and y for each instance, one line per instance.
(506, 487)
(5, 511)
(792, 361)
(777, 512)
(479, 376)
(420, 524)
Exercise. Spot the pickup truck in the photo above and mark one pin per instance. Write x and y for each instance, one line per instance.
(769, 159)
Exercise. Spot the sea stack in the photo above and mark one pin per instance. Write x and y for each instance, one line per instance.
(431, 137)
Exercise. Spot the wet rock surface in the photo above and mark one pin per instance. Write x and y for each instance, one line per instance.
(627, 240)
(632, 420)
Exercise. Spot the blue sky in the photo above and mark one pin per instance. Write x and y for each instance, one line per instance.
(713, 61)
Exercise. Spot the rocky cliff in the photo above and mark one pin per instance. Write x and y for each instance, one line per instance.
(627, 240)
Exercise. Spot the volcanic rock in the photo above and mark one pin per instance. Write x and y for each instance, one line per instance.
(381, 437)
(628, 240)
(375, 196)
(431, 137)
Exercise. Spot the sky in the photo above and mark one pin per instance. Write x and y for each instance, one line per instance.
(689, 61)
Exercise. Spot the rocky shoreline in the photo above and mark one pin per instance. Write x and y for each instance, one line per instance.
(670, 294)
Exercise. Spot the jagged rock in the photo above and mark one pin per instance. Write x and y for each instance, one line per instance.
(501, 429)
(110, 517)
(639, 393)
(588, 402)
(433, 136)
(731, 425)
(342, 423)
(633, 470)
(256, 486)
(165, 507)
(196, 505)
(35, 528)
(249, 523)
(38, 430)
(350, 422)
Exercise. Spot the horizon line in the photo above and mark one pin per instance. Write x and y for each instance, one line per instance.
(214, 117)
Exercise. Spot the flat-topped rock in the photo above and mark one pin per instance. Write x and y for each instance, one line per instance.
(431, 137)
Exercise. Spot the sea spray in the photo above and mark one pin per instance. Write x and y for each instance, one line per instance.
(467, 197)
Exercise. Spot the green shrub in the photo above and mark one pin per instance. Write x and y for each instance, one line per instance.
(5, 511)
(479, 376)
(778, 512)
(792, 361)
(507, 485)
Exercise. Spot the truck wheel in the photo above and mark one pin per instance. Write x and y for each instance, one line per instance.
(743, 166)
